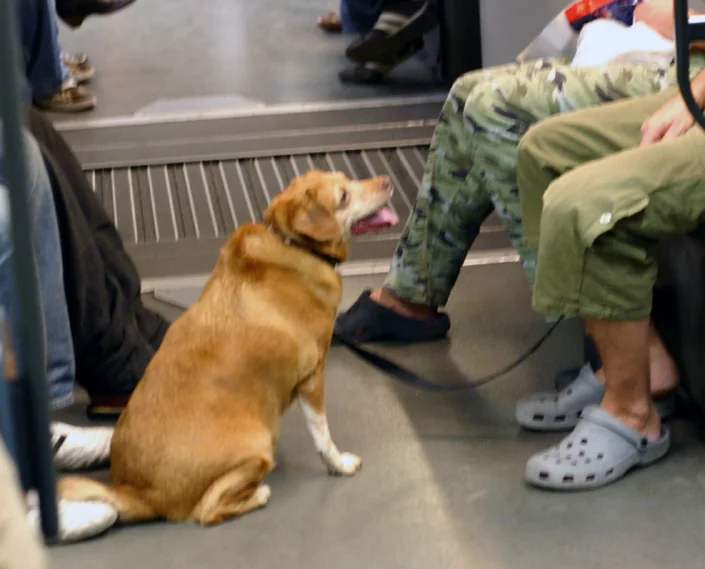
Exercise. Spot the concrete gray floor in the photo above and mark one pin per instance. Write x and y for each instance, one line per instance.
(268, 50)
(442, 484)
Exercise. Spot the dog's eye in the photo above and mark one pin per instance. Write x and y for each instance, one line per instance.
(343, 197)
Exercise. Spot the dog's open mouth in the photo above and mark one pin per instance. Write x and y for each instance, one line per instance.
(382, 219)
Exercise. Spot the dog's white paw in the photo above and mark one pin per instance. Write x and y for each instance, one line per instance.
(347, 464)
(262, 495)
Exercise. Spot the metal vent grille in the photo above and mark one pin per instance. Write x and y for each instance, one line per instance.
(206, 200)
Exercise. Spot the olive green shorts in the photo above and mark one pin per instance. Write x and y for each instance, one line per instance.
(595, 204)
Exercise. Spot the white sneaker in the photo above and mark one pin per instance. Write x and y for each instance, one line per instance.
(79, 448)
(77, 520)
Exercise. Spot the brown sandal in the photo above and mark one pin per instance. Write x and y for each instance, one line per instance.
(330, 23)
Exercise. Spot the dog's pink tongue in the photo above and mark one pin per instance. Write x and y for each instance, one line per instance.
(383, 219)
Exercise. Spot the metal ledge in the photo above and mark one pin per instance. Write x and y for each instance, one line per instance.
(272, 131)
(176, 187)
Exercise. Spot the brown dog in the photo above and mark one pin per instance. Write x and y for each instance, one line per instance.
(199, 433)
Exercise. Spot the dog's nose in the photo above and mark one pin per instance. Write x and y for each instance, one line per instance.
(385, 183)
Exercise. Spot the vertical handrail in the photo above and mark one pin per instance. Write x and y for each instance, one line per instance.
(35, 414)
(461, 37)
(686, 33)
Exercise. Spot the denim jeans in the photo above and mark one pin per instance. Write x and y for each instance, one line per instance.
(359, 16)
(47, 252)
(39, 39)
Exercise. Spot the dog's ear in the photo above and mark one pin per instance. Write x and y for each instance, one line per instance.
(317, 223)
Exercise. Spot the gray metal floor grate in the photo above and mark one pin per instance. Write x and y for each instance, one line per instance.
(204, 200)
(176, 187)
(174, 217)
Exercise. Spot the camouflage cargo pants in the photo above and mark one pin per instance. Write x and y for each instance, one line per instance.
(471, 169)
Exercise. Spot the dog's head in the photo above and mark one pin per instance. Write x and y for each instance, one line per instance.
(322, 209)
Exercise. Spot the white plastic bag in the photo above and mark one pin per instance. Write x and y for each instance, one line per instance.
(605, 42)
(560, 37)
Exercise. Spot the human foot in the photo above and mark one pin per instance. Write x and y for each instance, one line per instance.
(641, 418)
(79, 66)
(388, 319)
(552, 411)
(662, 369)
(601, 450)
(330, 22)
(555, 412)
(401, 24)
(70, 98)
(386, 298)
(373, 72)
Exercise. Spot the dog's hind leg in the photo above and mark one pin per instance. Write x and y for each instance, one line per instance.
(235, 493)
(310, 397)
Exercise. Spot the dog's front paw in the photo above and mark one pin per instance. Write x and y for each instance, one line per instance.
(346, 465)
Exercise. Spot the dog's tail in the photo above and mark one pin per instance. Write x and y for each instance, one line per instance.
(129, 503)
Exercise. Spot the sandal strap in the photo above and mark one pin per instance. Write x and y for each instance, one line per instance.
(600, 417)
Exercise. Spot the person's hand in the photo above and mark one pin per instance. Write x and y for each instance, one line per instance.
(670, 121)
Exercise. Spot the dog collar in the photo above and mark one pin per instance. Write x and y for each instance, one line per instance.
(289, 242)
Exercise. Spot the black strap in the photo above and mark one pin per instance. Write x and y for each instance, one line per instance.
(412, 379)
(58, 443)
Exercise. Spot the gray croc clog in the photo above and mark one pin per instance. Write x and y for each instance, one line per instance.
(600, 450)
(562, 411)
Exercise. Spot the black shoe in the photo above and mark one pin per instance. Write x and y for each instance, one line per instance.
(371, 73)
(367, 321)
(397, 27)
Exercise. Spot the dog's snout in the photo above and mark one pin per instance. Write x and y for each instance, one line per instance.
(385, 183)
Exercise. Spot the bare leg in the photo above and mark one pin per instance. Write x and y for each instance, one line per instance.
(663, 371)
(311, 401)
(624, 349)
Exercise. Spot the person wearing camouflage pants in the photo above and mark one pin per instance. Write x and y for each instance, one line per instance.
(471, 172)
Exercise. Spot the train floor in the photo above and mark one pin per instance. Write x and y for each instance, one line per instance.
(441, 485)
(165, 56)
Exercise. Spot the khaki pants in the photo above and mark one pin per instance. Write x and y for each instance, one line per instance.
(594, 205)
(19, 548)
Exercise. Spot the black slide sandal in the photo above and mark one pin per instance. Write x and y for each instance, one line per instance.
(367, 321)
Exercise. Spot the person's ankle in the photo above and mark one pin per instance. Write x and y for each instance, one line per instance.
(663, 372)
(641, 416)
(386, 298)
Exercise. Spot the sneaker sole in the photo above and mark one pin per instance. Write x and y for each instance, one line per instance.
(73, 108)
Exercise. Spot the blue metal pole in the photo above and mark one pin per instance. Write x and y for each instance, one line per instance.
(34, 384)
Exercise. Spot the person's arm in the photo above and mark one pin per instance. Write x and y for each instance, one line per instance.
(698, 87)
(659, 17)
(674, 118)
